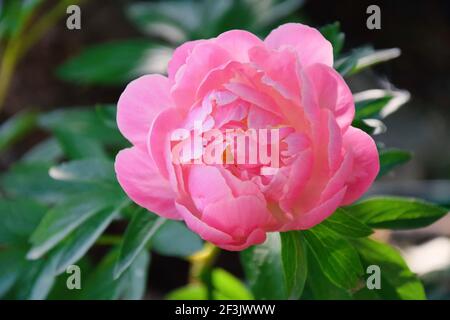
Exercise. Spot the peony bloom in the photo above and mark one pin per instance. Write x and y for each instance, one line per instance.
(237, 83)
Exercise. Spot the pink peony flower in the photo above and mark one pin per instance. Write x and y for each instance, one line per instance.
(236, 83)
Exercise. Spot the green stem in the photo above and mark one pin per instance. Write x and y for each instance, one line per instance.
(21, 42)
(201, 266)
(109, 240)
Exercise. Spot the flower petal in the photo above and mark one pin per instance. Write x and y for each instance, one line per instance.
(142, 100)
(310, 45)
(366, 164)
(142, 182)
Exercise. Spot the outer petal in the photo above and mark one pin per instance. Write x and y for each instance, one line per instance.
(310, 45)
(139, 104)
(366, 163)
(238, 43)
(331, 92)
(139, 177)
(180, 55)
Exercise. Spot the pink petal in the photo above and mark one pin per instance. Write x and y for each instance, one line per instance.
(310, 45)
(204, 57)
(139, 177)
(332, 93)
(238, 43)
(180, 55)
(366, 164)
(159, 139)
(142, 100)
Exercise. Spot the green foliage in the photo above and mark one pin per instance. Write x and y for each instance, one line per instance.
(396, 213)
(277, 268)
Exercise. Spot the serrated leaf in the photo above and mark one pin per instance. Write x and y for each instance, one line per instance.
(346, 225)
(276, 269)
(396, 212)
(397, 281)
(116, 63)
(391, 158)
(175, 239)
(336, 257)
(139, 232)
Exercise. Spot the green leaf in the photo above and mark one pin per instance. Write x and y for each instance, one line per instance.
(173, 21)
(391, 158)
(175, 239)
(332, 32)
(336, 257)
(73, 248)
(15, 128)
(139, 232)
(19, 218)
(12, 262)
(64, 218)
(379, 104)
(35, 280)
(14, 15)
(94, 170)
(116, 63)
(225, 287)
(362, 58)
(228, 286)
(397, 281)
(33, 181)
(319, 287)
(396, 213)
(346, 225)
(79, 147)
(276, 269)
(195, 291)
(47, 151)
(101, 284)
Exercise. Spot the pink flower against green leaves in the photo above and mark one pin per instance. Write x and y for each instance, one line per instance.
(238, 82)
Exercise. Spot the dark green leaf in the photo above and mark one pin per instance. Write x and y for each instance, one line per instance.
(391, 158)
(346, 225)
(47, 151)
(276, 269)
(32, 180)
(397, 281)
(396, 213)
(139, 232)
(64, 218)
(116, 63)
(71, 249)
(175, 239)
(336, 257)
(378, 104)
(12, 261)
(94, 170)
(362, 58)
(332, 32)
(19, 218)
(15, 128)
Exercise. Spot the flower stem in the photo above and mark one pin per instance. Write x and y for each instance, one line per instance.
(201, 266)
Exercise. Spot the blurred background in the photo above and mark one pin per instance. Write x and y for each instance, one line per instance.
(47, 78)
